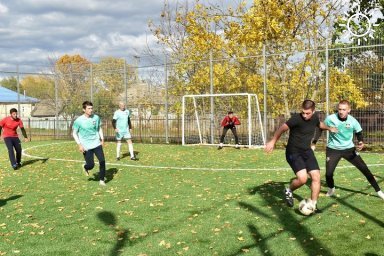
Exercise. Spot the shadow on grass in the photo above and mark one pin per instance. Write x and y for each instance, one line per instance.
(272, 193)
(11, 198)
(109, 175)
(109, 219)
(344, 202)
(28, 162)
(124, 155)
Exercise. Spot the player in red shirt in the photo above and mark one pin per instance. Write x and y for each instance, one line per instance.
(229, 123)
(9, 126)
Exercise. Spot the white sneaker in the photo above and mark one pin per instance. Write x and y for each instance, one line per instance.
(380, 194)
(331, 192)
(102, 183)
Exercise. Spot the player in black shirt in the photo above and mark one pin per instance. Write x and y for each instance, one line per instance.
(299, 154)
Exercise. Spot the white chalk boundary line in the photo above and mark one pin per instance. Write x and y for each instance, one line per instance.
(167, 167)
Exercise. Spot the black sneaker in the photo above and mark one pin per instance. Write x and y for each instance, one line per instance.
(117, 158)
(288, 197)
(219, 148)
(15, 167)
(18, 165)
(133, 158)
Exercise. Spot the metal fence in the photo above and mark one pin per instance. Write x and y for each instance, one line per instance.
(148, 88)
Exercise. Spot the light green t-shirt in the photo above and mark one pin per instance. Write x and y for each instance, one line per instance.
(121, 118)
(87, 128)
(343, 139)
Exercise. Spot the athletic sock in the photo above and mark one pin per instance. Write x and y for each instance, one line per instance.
(130, 148)
(314, 203)
(118, 149)
(381, 194)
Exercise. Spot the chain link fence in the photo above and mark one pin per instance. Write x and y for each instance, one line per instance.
(152, 89)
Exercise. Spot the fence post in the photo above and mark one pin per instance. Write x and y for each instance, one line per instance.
(91, 70)
(327, 76)
(166, 100)
(18, 91)
(29, 126)
(265, 91)
(211, 92)
(55, 131)
(125, 83)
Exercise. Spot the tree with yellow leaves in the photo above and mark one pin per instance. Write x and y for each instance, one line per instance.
(234, 37)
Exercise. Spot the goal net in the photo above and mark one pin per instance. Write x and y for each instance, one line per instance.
(202, 115)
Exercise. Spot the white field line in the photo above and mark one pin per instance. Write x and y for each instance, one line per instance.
(168, 167)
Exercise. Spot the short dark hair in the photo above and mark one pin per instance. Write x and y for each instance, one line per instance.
(230, 112)
(12, 110)
(87, 103)
(308, 104)
(345, 102)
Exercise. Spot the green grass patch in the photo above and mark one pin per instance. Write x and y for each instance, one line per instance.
(181, 201)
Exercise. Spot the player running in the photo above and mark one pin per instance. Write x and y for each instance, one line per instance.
(89, 136)
(121, 122)
(340, 145)
(9, 126)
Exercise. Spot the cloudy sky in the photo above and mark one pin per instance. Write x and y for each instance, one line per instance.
(34, 31)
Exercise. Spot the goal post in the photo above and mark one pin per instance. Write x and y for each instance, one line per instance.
(202, 115)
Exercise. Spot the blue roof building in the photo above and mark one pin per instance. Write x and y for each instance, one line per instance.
(10, 99)
(9, 96)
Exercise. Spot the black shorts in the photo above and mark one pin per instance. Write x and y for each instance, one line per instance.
(303, 160)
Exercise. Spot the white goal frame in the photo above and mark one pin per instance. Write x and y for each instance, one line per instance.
(250, 96)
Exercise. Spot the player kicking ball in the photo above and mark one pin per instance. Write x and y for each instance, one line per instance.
(298, 153)
(121, 122)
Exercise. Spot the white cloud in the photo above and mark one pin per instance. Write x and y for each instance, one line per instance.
(33, 31)
(3, 9)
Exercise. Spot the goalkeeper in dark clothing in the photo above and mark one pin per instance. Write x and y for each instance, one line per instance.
(229, 123)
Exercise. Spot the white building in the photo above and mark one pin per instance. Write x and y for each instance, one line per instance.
(10, 99)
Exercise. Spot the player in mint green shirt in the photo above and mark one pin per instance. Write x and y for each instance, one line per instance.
(340, 145)
(88, 135)
(121, 122)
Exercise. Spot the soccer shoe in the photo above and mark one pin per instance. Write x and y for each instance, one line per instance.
(331, 192)
(15, 167)
(85, 171)
(133, 158)
(117, 158)
(380, 194)
(237, 146)
(220, 147)
(18, 165)
(288, 197)
(102, 183)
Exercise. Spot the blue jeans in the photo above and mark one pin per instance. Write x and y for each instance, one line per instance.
(90, 160)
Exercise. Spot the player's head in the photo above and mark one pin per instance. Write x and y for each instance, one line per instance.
(13, 113)
(230, 113)
(88, 107)
(121, 106)
(308, 109)
(343, 108)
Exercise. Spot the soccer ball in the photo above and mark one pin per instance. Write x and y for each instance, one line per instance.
(306, 207)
